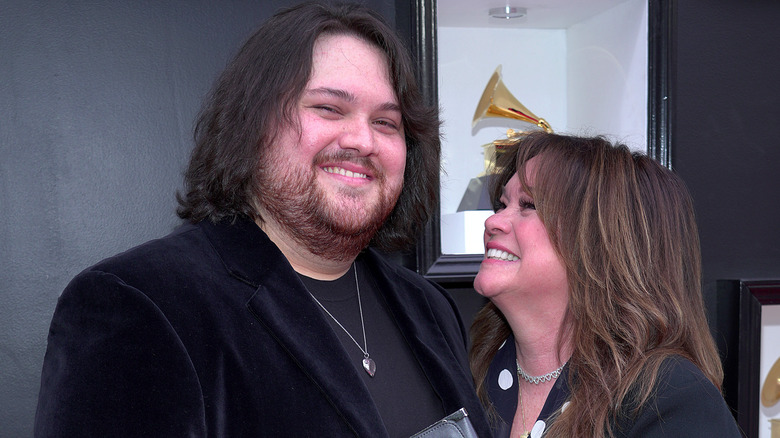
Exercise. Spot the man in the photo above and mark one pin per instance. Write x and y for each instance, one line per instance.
(266, 315)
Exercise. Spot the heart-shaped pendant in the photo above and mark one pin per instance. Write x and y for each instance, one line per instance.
(369, 366)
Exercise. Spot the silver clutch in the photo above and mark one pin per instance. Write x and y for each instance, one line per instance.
(455, 425)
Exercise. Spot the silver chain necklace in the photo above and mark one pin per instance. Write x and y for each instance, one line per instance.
(368, 364)
(539, 379)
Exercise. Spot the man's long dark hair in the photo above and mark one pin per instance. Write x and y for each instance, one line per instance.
(255, 98)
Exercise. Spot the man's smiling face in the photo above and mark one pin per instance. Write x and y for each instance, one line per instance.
(339, 174)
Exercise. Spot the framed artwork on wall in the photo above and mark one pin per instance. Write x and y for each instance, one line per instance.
(460, 268)
(759, 313)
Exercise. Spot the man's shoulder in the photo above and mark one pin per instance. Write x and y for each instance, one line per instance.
(177, 271)
(404, 277)
(155, 253)
(177, 262)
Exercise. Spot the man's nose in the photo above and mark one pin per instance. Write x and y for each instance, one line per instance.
(358, 135)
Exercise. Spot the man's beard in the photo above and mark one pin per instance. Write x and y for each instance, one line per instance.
(298, 204)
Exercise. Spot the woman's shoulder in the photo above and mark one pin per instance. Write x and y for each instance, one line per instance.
(684, 403)
(677, 374)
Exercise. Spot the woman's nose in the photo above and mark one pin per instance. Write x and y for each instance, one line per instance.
(496, 223)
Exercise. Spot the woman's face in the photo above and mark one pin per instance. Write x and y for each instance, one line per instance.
(520, 261)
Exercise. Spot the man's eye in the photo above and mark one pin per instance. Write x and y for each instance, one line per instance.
(326, 108)
(387, 126)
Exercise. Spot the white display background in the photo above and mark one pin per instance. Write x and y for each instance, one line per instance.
(588, 79)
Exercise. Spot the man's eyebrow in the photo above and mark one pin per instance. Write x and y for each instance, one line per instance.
(349, 97)
(335, 92)
(390, 106)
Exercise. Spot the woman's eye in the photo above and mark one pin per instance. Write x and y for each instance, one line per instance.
(527, 205)
(498, 206)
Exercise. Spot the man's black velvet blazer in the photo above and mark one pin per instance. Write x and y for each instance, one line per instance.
(209, 332)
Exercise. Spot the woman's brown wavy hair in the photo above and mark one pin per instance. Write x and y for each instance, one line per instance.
(624, 227)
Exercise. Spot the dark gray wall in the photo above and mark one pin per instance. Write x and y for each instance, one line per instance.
(726, 142)
(727, 149)
(97, 101)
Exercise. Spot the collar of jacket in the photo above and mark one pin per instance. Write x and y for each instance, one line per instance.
(251, 257)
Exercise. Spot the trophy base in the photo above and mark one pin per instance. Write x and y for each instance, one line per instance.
(461, 232)
(477, 196)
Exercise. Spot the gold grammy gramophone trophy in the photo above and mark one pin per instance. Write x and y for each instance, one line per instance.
(496, 101)
(770, 395)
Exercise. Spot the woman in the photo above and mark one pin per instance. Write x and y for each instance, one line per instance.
(596, 324)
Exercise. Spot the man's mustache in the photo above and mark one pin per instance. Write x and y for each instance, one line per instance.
(349, 156)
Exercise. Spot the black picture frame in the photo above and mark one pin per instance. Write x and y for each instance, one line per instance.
(461, 268)
(753, 295)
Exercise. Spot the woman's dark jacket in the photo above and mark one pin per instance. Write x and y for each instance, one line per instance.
(684, 402)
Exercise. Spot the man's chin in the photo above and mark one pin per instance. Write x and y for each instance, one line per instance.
(339, 237)
(353, 222)
(355, 213)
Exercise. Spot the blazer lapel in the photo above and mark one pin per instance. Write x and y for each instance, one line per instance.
(282, 304)
(442, 362)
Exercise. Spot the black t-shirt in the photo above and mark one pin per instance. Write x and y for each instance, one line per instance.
(402, 394)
